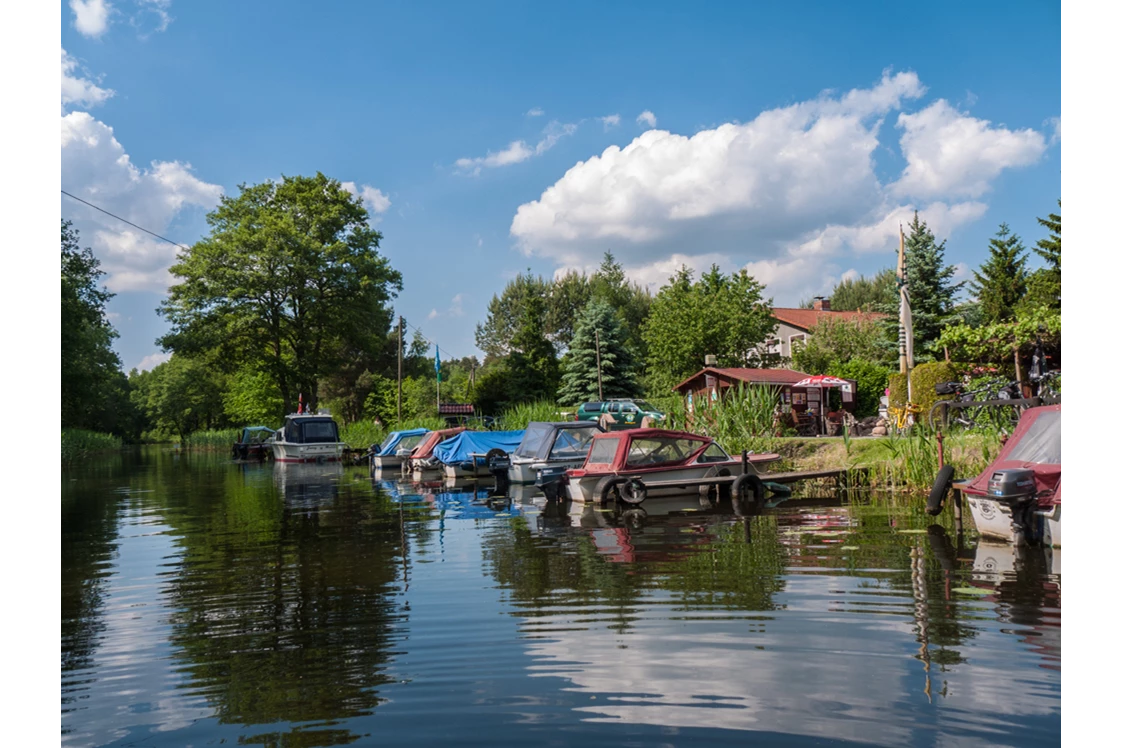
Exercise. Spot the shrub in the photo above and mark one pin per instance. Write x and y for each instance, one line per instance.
(872, 380)
(924, 380)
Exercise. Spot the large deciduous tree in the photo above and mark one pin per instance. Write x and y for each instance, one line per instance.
(91, 376)
(1000, 282)
(598, 328)
(876, 294)
(723, 315)
(289, 280)
(505, 311)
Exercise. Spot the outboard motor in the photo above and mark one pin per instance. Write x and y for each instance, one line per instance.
(1017, 488)
(498, 465)
(550, 482)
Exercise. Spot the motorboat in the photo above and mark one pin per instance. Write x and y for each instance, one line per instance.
(468, 454)
(254, 443)
(1017, 497)
(421, 463)
(308, 437)
(641, 463)
(563, 444)
(395, 448)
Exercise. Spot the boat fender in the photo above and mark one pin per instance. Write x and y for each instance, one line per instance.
(748, 485)
(940, 490)
(633, 492)
(634, 518)
(604, 487)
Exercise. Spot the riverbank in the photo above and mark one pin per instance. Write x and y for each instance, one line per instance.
(80, 442)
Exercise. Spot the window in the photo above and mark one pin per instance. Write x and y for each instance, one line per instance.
(573, 444)
(772, 345)
(660, 451)
(604, 451)
(591, 407)
(795, 342)
(614, 407)
(319, 432)
(628, 408)
(714, 453)
(534, 439)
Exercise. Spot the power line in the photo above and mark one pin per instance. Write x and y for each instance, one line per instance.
(119, 218)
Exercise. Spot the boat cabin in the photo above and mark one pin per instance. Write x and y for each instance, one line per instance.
(562, 441)
(649, 450)
(309, 429)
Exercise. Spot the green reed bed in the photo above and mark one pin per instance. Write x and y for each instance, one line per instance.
(212, 439)
(518, 416)
(366, 432)
(79, 442)
(742, 419)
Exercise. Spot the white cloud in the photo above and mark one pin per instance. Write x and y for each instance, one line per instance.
(152, 360)
(374, 200)
(434, 314)
(455, 308)
(536, 112)
(1055, 123)
(883, 234)
(95, 167)
(518, 150)
(156, 10)
(91, 17)
(77, 90)
(954, 154)
(646, 118)
(610, 121)
(761, 183)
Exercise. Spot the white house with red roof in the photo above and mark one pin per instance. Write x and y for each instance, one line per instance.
(795, 325)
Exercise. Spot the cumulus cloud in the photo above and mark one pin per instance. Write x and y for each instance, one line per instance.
(96, 167)
(374, 200)
(455, 308)
(152, 360)
(77, 90)
(646, 118)
(518, 150)
(91, 17)
(536, 112)
(1055, 123)
(953, 154)
(609, 121)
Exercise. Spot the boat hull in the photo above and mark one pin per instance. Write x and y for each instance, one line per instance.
(580, 489)
(288, 452)
(382, 462)
(458, 471)
(992, 519)
(526, 471)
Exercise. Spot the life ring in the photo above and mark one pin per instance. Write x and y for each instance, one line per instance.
(633, 492)
(940, 490)
(747, 485)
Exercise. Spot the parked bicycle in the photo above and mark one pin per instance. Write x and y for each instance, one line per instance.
(949, 413)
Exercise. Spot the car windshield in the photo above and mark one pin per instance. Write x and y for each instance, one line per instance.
(572, 444)
(660, 450)
(644, 405)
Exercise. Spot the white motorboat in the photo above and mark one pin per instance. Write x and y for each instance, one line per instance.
(562, 444)
(308, 437)
(395, 448)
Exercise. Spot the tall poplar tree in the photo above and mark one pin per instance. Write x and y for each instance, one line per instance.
(617, 368)
(1000, 282)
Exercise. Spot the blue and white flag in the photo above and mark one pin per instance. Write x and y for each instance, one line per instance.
(437, 363)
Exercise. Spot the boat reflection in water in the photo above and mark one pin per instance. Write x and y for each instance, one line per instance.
(816, 619)
(308, 485)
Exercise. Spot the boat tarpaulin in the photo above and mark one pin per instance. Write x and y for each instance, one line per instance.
(465, 445)
(395, 438)
(1035, 445)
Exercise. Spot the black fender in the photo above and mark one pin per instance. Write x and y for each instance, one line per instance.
(604, 487)
(940, 490)
(746, 486)
(633, 491)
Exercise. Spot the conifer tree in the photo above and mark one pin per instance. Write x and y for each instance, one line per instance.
(1000, 282)
(618, 376)
(1044, 285)
(931, 292)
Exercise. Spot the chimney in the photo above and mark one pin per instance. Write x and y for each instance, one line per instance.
(711, 360)
(821, 304)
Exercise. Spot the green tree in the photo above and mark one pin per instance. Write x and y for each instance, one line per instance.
(872, 379)
(505, 312)
(931, 292)
(91, 371)
(533, 361)
(876, 294)
(617, 368)
(1044, 284)
(631, 302)
(723, 315)
(835, 340)
(185, 395)
(1000, 282)
(251, 398)
(566, 297)
(289, 281)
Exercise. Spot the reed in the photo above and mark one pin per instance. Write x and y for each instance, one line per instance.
(518, 416)
(365, 433)
(212, 439)
(79, 442)
(741, 419)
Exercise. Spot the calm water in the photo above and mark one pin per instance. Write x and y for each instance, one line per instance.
(206, 602)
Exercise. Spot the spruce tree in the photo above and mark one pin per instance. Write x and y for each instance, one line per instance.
(931, 292)
(533, 362)
(1000, 282)
(618, 377)
(1044, 286)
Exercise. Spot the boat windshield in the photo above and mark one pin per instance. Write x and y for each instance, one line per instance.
(660, 450)
(714, 453)
(573, 444)
(409, 442)
(533, 440)
(1041, 443)
(319, 431)
(603, 451)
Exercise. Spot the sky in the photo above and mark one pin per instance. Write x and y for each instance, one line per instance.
(492, 137)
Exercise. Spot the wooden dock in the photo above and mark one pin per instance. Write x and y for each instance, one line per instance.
(839, 474)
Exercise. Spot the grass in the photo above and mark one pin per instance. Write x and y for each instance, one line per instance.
(79, 442)
(742, 419)
(212, 439)
(365, 433)
(518, 416)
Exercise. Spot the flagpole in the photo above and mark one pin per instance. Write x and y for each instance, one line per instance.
(904, 335)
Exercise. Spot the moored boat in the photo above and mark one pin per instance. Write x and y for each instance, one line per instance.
(467, 454)
(308, 437)
(642, 463)
(562, 444)
(395, 448)
(1017, 497)
(421, 462)
(253, 444)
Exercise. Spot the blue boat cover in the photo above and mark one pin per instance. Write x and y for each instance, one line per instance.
(390, 443)
(464, 445)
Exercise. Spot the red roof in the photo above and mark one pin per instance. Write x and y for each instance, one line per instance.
(750, 376)
(805, 319)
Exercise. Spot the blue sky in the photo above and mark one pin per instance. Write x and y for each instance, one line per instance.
(493, 137)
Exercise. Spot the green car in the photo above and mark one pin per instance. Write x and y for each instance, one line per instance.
(620, 413)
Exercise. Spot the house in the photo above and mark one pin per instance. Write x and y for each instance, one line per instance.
(794, 325)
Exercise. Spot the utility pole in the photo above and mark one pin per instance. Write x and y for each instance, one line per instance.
(399, 370)
(600, 387)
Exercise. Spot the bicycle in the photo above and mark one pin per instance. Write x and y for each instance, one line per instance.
(968, 418)
(904, 417)
(1048, 384)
